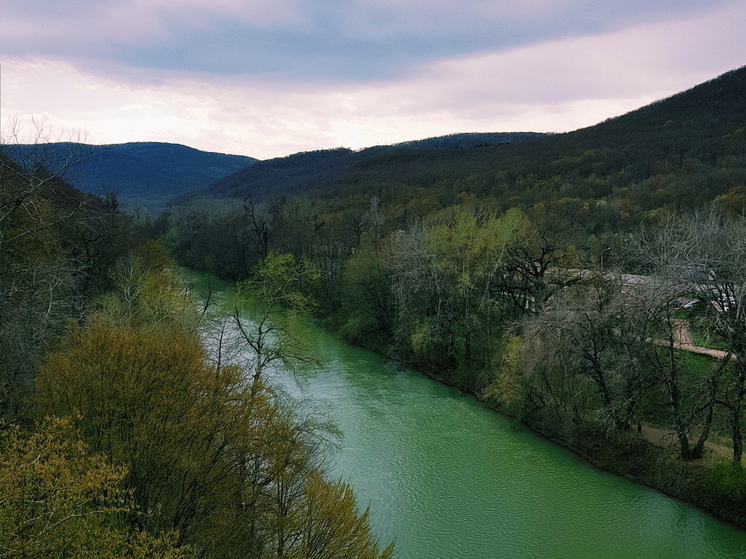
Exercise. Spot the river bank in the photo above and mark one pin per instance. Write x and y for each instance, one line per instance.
(644, 460)
(445, 475)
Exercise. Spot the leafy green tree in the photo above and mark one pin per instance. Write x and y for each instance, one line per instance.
(138, 396)
(367, 306)
(147, 292)
(446, 279)
(279, 286)
(332, 528)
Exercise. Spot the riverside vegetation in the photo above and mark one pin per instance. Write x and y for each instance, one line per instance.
(552, 277)
(124, 433)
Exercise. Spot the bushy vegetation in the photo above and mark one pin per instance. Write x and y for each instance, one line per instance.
(122, 436)
(556, 278)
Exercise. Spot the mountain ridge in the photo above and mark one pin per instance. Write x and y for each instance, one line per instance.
(688, 128)
(140, 173)
(301, 171)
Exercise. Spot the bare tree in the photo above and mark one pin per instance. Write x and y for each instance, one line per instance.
(40, 217)
(702, 258)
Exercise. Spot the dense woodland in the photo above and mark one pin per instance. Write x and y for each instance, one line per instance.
(560, 278)
(556, 277)
(127, 428)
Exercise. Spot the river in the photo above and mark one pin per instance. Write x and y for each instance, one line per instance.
(447, 478)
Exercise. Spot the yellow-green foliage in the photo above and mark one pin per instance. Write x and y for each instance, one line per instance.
(58, 500)
(728, 479)
(506, 386)
(213, 456)
(147, 293)
(282, 281)
(470, 247)
(333, 528)
(424, 338)
(145, 398)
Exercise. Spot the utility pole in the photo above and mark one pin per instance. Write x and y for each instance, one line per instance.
(602, 258)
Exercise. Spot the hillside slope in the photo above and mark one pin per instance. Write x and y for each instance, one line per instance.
(687, 149)
(301, 172)
(141, 173)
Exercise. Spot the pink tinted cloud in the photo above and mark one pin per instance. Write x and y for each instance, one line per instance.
(651, 60)
(555, 85)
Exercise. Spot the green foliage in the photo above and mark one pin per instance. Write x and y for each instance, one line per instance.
(506, 387)
(451, 283)
(733, 201)
(58, 500)
(278, 293)
(425, 338)
(333, 529)
(728, 479)
(138, 396)
(282, 281)
(365, 309)
(219, 459)
(148, 292)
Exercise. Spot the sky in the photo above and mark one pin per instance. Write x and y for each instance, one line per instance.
(267, 78)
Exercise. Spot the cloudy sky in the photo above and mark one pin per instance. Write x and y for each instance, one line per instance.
(268, 78)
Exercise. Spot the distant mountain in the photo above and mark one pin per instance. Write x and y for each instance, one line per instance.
(141, 173)
(304, 171)
(284, 174)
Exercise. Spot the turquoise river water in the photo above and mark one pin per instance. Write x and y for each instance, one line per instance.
(447, 478)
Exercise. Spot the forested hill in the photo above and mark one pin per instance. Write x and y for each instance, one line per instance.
(285, 174)
(303, 171)
(470, 140)
(685, 150)
(141, 173)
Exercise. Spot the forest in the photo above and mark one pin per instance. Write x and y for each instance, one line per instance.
(126, 429)
(591, 285)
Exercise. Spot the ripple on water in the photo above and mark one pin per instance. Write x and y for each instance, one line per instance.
(448, 479)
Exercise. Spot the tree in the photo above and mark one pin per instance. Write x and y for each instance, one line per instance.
(212, 451)
(279, 286)
(138, 396)
(366, 303)
(446, 279)
(581, 354)
(705, 254)
(58, 500)
(147, 292)
(332, 528)
(52, 257)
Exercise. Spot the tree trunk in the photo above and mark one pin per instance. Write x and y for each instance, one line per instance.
(735, 411)
(712, 389)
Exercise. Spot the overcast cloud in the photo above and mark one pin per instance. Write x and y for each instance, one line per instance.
(268, 78)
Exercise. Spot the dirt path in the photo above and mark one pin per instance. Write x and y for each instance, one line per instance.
(684, 339)
(664, 438)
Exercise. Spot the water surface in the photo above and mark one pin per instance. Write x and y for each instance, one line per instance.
(448, 478)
